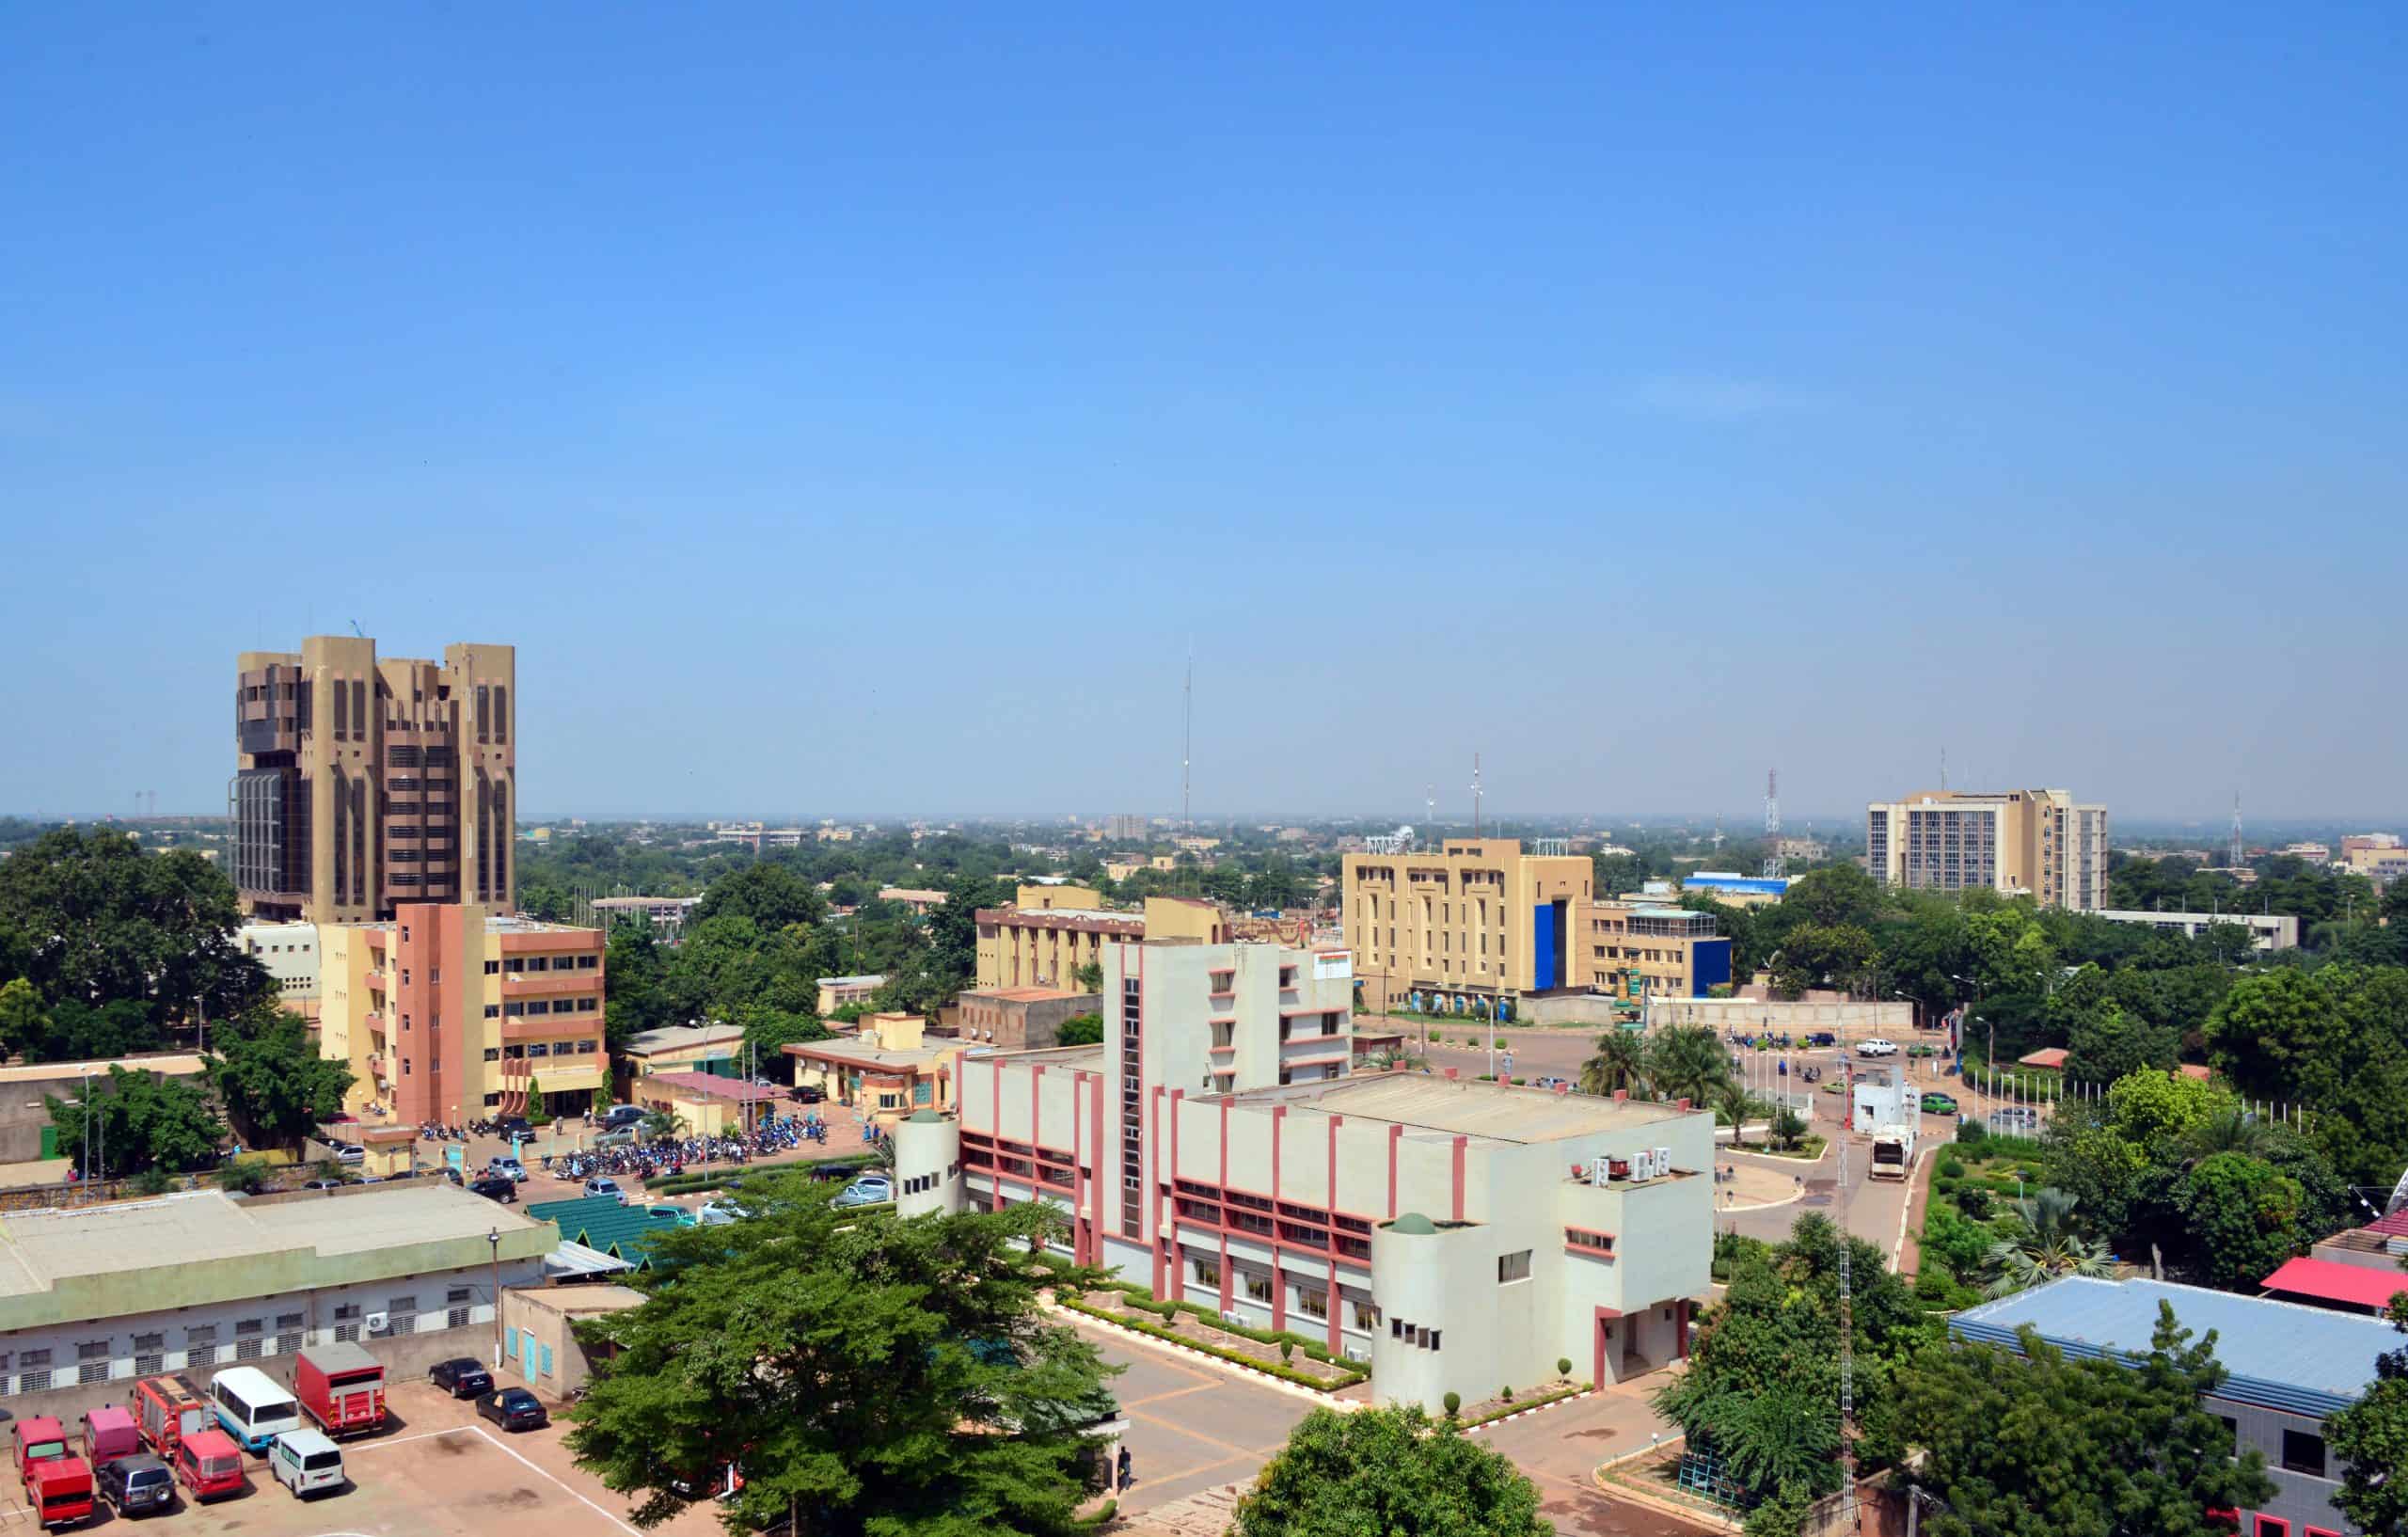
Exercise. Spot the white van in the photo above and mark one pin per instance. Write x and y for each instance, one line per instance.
(251, 1408)
(305, 1462)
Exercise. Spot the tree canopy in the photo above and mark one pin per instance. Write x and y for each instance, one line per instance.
(138, 1121)
(1393, 1471)
(868, 1375)
(270, 1078)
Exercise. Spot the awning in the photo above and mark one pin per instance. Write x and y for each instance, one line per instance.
(2329, 1280)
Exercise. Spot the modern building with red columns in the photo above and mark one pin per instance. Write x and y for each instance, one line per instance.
(1218, 1148)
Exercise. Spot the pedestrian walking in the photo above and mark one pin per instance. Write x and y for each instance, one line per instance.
(1127, 1477)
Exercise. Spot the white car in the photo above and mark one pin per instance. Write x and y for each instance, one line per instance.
(1877, 1047)
(602, 1184)
(719, 1213)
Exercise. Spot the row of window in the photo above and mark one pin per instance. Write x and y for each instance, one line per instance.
(583, 961)
(97, 1361)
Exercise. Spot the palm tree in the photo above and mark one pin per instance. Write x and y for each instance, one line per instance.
(1687, 1062)
(1735, 1104)
(2048, 1245)
(1616, 1065)
(661, 1126)
(2227, 1131)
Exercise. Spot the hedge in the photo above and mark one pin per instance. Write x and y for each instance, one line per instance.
(693, 1180)
(1520, 1405)
(1270, 1369)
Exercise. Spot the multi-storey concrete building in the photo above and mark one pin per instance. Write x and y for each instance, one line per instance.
(363, 782)
(1640, 948)
(1216, 1147)
(2034, 842)
(2377, 856)
(1123, 827)
(289, 951)
(1469, 924)
(449, 1012)
(1047, 934)
(1019, 1019)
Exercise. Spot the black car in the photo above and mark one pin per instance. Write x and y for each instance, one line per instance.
(513, 1409)
(140, 1484)
(518, 1127)
(494, 1187)
(620, 1115)
(809, 1094)
(463, 1376)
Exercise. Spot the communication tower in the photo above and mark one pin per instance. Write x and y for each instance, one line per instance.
(1773, 866)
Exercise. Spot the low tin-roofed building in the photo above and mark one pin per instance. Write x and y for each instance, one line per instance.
(2291, 1367)
(94, 1297)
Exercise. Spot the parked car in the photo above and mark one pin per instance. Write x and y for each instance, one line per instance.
(870, 1190)
(492, 1187)
(139, 1483)
(1940, 1104)
(513, 1409)
(620, 1115)
(809, 1094)
(602, 1184)
(1877, 1047)
(209, 1464)
(514, 1128)
(463, 1376)
(718, 1211)
(306, 1462)
(670, 1216)
(1823, 1038)
(509, 1168)
(349, 1152)
(323, 1184)
(623, 1136)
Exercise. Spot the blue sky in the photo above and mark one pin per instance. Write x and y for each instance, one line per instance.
(852, 412)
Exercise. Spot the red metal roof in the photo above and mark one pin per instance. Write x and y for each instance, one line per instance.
(2047, 1056)
(711, 1086)
(2394, 1225)
(2329, 1280)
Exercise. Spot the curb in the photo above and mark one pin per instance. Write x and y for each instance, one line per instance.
(1227, 1368)
(1645, 1499)
(1524, 1414)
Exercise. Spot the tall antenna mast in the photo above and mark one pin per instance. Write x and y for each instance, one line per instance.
(1773, 866)
(1430, 804)
(1848, 1326)
(1943, 771)
(2237, 859)
(1187, 743)
(1475, 795)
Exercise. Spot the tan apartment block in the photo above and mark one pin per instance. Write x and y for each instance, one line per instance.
(1458, 928)
(449, 1012)
(1643, 947)
(1021, 1019)
(1049, 932)
(363, 782)
(2017, 842)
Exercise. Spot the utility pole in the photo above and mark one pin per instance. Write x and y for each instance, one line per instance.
(1475, 795)
(493, 1236)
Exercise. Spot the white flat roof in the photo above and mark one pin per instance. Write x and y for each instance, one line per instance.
(1499, 1112)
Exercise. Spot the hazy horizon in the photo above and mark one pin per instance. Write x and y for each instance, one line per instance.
(862, 409)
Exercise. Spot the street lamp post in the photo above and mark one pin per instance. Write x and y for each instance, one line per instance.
(493, 1237)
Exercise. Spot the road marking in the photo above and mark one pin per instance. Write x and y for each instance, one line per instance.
(1195, 1434)
(1176, 1393)
(533, 1466)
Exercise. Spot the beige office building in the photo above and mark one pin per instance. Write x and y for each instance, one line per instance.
(1044, 938)
(1453, 930)
(362, 783)
(2018, 842)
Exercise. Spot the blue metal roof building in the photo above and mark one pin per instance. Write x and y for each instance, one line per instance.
(1709, 882)
(2282, 1355)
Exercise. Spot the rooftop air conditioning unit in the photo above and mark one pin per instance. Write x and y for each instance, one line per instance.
(379, 1323)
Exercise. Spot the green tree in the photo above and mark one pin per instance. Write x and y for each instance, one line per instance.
(277, 1089)
(767, 892)
(1686, 1062)
(871, 1376)
(631, 999)
(770, 1031)
(2037, 1446)
(24, 1025)
(2044, 1244)
(1088, 977)
(1617, 1065)
(139, 1121)
(2244, 1219)
(1733, 1104)
(1080, 1030)
(2104, 1043)
(1392, 1472)
(537, 1114)
(118, 923)
(2370, 1437)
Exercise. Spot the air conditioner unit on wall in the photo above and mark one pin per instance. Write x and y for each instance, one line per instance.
(380, 1322)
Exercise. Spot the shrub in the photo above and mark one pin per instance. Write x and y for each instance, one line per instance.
(1970, 1130)
(1563, 1365)
(1951, 1169)
(1506, 1393)
(1454, 1403)
(1287, 1350)
(1975, 1202)
(151, 1182)
(245, 1175)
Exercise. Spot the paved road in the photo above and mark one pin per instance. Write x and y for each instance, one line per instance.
(1560, 1447)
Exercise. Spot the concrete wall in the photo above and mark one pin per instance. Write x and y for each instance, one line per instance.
(1589, 1008)
(1756, 1014)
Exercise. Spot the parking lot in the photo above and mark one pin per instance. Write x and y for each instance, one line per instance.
(437, 1471)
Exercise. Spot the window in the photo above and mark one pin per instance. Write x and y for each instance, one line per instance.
(1313, 1301)
(587, 1006)
(2303, 1452)
(149, 1354)
(2231, 1436)
(493, 1099)
(456, 1305)
(1208, 1271)
(1367, 1316)
(1257, 1286)
(401, 1315)
(588, 964)
(493, 1011)
(92, 1362)
(493, 968)
(1513, 1267)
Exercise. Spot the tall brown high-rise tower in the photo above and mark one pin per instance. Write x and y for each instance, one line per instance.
(362, 783)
